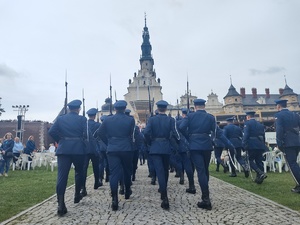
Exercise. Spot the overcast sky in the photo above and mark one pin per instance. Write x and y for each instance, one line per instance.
(254, 41)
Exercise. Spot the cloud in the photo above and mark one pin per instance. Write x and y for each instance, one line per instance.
(6, 71)
(270, 70)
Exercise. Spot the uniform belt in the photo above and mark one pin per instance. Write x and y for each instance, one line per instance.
(199, 134)
(72, 138)
(160, 139)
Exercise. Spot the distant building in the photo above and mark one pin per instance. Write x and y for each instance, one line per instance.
(144, 85)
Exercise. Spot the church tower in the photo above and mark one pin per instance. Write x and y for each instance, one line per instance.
(144, 85)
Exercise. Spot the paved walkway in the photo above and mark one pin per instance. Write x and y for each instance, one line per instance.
(144, 207)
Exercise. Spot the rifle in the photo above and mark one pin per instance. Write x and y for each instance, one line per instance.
(110, 93)
(66, 98)
(188, 95)
(178, 115)
(83, 103)
(149, 100)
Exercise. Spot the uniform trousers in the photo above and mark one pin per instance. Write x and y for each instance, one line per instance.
(95, 163)
(161, 166)
(150, 165)
(291, 154)
(120, 164)
(218, 153)
(201, 160)
(186, 165)
(103, 165)
(255, 160)
(237, 154)
(135, 161)
(64, 164)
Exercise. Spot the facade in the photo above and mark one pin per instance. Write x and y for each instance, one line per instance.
(144, 86)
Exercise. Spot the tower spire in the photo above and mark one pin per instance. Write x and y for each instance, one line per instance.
(145, 19)
(230, 79)
(146, 46)
(285, 79)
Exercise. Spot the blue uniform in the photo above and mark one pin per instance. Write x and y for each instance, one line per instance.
(254, 143)
(199, 126)
(287, 137)
(235, 135)
(185, 163)
(70, 132)
(93, 154)
(158, 132)
(218, 149)
(118, 132)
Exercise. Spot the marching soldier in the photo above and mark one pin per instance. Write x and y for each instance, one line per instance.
(185, 161)
(103, 163)
(235, 135)
(93, 151)
(70, 132)
(287, 136)
(254, 143)
(199, 126)
(158, 132)
(118, 132)
(218, 149)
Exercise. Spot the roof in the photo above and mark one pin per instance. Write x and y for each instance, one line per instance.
(232, 92)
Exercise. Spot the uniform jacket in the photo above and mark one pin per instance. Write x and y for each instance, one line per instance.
(234, 134)
(93, 146)
(117, 132)
(183, 143)
(287, 128)
(70, 132)
(159, 130)
(254, 135)
(199, 126)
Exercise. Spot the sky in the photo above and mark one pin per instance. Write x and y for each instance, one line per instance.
(255, 42)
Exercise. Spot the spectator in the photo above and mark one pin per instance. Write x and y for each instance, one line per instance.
(30, 147)
(17, 149)
(7, 153)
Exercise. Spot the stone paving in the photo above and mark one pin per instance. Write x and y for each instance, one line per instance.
(231, 205)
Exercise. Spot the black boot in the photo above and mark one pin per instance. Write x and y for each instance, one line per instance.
(121, 191)
(205, 203)
(260, 177)
(77, 198)
(246, 170)
(233, 174)
(191, 189)
(226, 168)
(181, 180)
(153, 180)
(218, 166)
(133, 177)
(83, 192)
(62, 209)
(97, 185)
(128, 193)
(114, 203)
(165, 201)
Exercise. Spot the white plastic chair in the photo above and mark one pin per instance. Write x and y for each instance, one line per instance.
(269, 161)
(24, 158)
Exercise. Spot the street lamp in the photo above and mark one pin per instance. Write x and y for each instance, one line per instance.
(22, 109)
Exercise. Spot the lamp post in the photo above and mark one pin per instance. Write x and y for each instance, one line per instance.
(22, 109)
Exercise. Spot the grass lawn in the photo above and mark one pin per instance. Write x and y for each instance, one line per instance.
(277, 187)
(23, 189)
